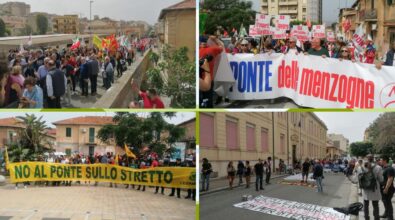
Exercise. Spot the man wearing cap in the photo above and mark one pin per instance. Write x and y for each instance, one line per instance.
(214, 51)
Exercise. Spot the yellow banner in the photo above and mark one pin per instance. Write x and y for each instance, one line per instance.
(179, 177)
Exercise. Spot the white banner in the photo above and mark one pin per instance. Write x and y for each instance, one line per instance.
(310, 81)
(291, 209)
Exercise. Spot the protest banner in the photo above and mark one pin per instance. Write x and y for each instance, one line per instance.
(279, 34)
(181, 177)
(282, 22)
(319, 31)
(301, 32)
(254, 31)
(291, 209)
(330, 36)
(310, 81)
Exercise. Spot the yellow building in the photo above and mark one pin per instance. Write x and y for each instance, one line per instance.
(179, 26)
(378, 18)
(296, 9)
(68, 24)
(80, 135)
(333, 152)
(291, 137)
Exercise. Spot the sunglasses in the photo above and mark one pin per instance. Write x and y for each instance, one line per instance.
(345, 51)
(244, 45)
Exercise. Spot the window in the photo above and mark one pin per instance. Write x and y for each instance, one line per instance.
(206, 130)
(91, 135)
(68, 132)
(232, 138)
(68, 152)
(264, 140)
(250, 131)
(282, 143)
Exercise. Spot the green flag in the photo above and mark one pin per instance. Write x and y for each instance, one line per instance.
(202, 22)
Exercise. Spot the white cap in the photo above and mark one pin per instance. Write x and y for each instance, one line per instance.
(244, 41)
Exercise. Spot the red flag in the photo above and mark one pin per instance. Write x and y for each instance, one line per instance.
(346, 25)
(76, 45)
(308, 23)
(225, 34)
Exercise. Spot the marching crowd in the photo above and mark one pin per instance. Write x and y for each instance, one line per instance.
(45, 78)
(375, 177)
(124, 161)
(211, 46)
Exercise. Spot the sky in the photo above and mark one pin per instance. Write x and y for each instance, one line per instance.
(56, 116)
(145, 10)
(330, 8)
(351, 124)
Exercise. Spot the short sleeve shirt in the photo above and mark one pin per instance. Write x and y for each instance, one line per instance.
(147, 101)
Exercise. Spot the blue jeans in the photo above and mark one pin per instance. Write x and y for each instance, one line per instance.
(318, 181)
(205, 181)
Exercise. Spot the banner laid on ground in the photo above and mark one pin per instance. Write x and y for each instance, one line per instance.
(291, 209)
(179, 177)
(310, 81)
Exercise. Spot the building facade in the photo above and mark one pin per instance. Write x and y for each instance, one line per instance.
(179, 26)
(290, 137)
(67, 24)
(19, 9)
(79, 135)
(296, 9)
(333, 152)
(190, 136)
(339, 141)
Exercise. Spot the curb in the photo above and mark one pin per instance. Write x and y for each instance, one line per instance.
(237, 186)
(353, 198)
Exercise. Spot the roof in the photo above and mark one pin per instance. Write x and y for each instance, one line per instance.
(192, 120)
(11, 122)
(86, 120)
(51, 132)
(184, 5)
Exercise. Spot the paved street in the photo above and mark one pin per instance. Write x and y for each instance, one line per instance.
(273, 103)
(89, 202)
(219, 205)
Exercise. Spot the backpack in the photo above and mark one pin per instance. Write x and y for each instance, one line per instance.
(367, 180)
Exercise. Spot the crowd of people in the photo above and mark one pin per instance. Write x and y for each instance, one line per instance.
(120, 160)
(211, 46)
(48, 77)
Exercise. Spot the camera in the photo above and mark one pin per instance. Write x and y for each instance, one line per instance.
(208, 57)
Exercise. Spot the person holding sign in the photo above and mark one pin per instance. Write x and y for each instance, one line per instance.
(316, 49)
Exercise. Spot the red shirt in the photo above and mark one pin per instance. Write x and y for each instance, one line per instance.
(213, 51)
(147, 101)
(157, 103)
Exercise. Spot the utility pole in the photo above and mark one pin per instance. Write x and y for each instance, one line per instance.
(90, 21)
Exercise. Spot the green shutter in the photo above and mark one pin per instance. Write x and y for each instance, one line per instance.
(91, 135)
(68, 132)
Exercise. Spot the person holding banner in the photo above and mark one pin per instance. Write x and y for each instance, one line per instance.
(292, 47)
(390, 56)
(316, 49)
(345, 55)
(173, 190)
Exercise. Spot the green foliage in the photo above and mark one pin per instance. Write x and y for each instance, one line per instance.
(27, 30)
(228, 14)
(2, 28)
(180, 72)
(42, 24)
(361, 149)
(31, 144)
(382, 133)
(134, 131)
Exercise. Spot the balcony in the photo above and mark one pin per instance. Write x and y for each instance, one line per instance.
(368, 15)
(288, 3)
(282, 12)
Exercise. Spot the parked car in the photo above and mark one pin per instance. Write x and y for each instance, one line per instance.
(336, 168)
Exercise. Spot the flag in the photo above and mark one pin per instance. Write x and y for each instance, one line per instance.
(243, 31)
(202, 22)
(129, 153)
(116, 159)
(76, 44)
(226, 34)
(30, 40)
(97, 41)
(7, 160)
(308, 23)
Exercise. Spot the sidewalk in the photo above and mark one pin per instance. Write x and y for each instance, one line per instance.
(220, 184)
(381, 207)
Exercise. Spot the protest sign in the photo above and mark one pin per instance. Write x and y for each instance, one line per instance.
(279, 34)
(301, 32)
(282, 22)
(181, 177)
(318, 31)
(310, 81)
(262, 21)
(254, 31)
(291, 209)
(330, 36)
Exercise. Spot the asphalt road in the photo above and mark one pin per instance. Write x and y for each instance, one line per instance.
(220, 205)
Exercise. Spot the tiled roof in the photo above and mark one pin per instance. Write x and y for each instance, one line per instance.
(87, 120)
(51, 132)
(11, 122)
(186, 4)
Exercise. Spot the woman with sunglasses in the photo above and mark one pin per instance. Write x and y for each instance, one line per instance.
(345, 54)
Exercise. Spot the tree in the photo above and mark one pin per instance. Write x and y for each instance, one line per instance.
(2, 28)
(42, 23)
(27, 30)
(382, 133)
(228, 14)
(31, 145)
(361, 149)
(181, 81)
(132, 130)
